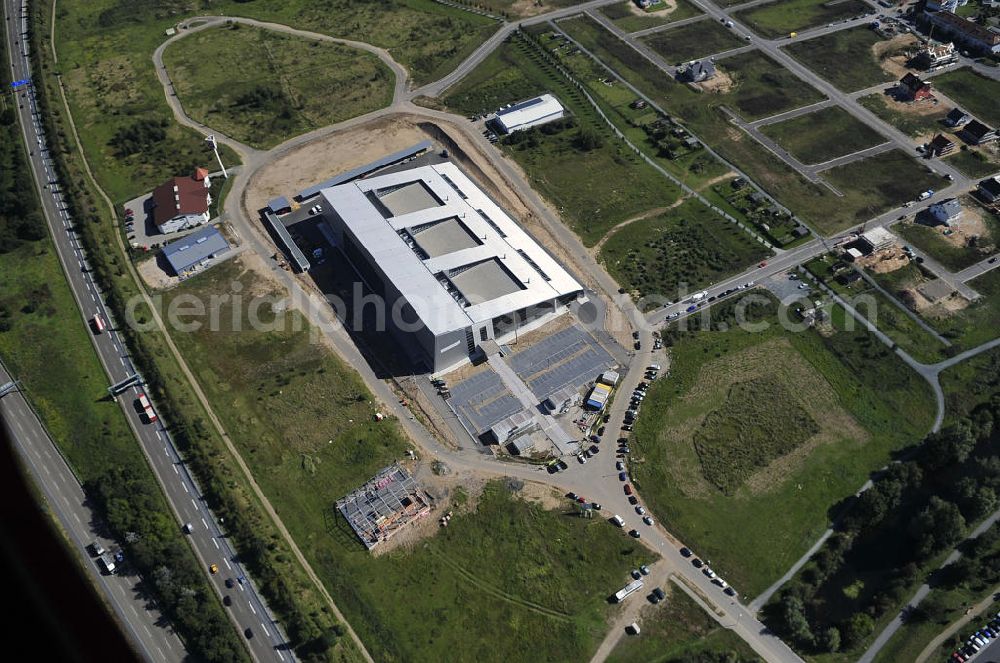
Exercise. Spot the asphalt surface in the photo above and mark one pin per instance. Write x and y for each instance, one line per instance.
(149, 633)
(248, 609)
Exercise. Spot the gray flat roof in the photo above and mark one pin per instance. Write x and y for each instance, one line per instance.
(361, 171)
(445, 237)
(485, 281)
(408, 198)
(194, 248)
(520, 273)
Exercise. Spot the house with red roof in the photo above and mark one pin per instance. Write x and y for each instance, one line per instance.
(182, 202)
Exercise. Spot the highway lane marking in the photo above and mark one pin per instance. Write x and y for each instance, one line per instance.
(228, 565)
(204, 523)
(251, 607)
(216, 544)
(176, 471)
(161, 653)
(122, 361)
(279, 654)
(266, 632)
(184, 486)
(193, 503)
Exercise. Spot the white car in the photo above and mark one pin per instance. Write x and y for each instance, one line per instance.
(583, 461)
(619, 466)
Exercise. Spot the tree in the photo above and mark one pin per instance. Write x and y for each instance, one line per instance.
(792, 617)
(857, 628)
(948, 447)
(938, 526)
(829, 640)
(588, 140)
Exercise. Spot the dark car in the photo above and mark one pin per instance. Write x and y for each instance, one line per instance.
(628, 489)
(572, 496)
(658, 593)
(634, 533)
(596, 506)
(685, 552)
(600, 431)
(562, 465)
(627, 427)
(226, 600)
(594, 449)
(637, 345)
(622, 440)
(635, 335)
(697, 563)
(248, 633)
(229, 583)
(606, 418)
(622, 476)
(632, 499)
(691, 308)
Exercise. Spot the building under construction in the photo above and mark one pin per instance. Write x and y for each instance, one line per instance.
(384, 505)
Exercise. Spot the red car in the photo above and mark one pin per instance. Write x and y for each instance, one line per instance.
(763, 263)
(628, 489)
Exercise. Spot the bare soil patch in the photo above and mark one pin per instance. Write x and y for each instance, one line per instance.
(718, 84)
(892, 55)
(668, 7)
(884, 261)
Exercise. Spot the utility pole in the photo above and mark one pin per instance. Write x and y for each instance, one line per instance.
(215, 148)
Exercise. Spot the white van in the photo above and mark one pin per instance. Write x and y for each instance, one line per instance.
(617, 520)
(107, 563)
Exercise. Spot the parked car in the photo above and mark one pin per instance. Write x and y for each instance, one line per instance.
(622, 477)
(658, 593)
(628, 489)
(647, 520)
(636, 574)
(594, 450)
(697, 563)
(595, 506)
(644, 570)
(634, 533)
(633, 500)
(641, 511)
(619, 466)
(685, 552)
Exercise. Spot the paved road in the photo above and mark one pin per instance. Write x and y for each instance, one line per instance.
(978, 269)
(148, 631)
(248, 610)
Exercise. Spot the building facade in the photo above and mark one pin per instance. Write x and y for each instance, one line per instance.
(452, 269)
(182, 202)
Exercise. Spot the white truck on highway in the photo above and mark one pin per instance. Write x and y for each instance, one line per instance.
(698, 296)
(107, 563)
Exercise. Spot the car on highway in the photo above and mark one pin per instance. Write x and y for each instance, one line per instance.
(188, 527)
(248, 633)
(227, 601)
(992, 260)
(691, 309)
(229, 583)
(97, 323)
(213, 568)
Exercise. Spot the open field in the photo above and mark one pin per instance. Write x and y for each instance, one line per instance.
(916, 120)
(283, 86)
(762, 87)
(778, 19)
(956, 255)
(966, 325)
(977, 162)
(974, 92)
(846, 58)
(627, 16)
(824, 135)
(580, 166)
(882, 182)
(692, 41)
(677, 629)
(105, 52)
(862, 399)
(688, 246)
(522, 8)
(701, 112)
(303, 421)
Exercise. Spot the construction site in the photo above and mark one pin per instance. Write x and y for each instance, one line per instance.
(384, 505)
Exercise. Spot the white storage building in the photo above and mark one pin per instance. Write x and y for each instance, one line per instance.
(530, 113)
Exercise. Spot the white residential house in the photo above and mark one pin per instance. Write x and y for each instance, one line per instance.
(182, 202)
(947, 212)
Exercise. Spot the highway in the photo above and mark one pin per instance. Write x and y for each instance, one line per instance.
(248, 611)
(145, 627)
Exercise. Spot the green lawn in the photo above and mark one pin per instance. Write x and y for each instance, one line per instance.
(972, 91)
(778, 19)
(912, 124)
(594, 186)
(622, 15)
(880, 183)
(689, 246)
(824, 135)
(976, 163)
(284, 86)
(303, 420)
(865, 402)
(762, 87)
(955, 258)
(677, 629)
(845, 58)
(692, 41)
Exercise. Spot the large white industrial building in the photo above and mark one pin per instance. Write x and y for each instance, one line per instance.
(459, 270)
(530, 113)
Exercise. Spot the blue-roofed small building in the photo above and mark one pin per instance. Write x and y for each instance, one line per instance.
(947, 212)
(189, 254)
(279, 205)
(529, 113)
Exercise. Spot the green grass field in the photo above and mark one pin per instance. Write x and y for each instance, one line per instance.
(824, 135)
(880, 183)
(303, 421)
(955, 258)
(974, 92)
(762, 87)
(284, 85)
(864, 401)
(594, 189)
(778, 19)
(912, 124)
(845, 58)
(688, 246)
(976, 162)
(622, 15)
(677, 629)
(692, 41)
